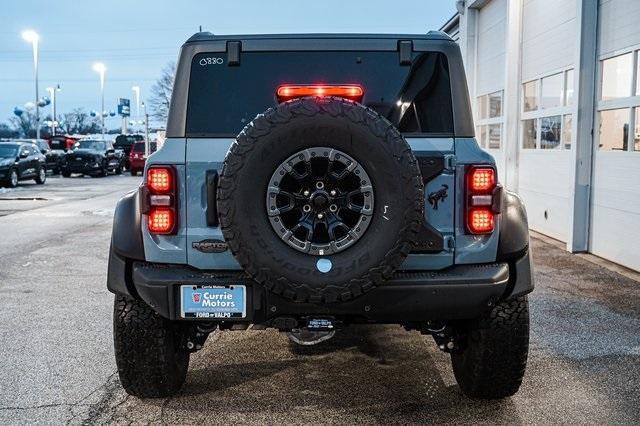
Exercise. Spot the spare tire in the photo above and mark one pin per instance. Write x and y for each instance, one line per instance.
(320, 199)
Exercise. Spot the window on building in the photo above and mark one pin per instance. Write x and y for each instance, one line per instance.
(614, 129)
(482, 135)
(568, 88)
(495, 136)
(567, 123)
(489, 120)
(530, 91)
(619, 103)
(637, 75)
(550, 132)
(616, 77)
(547, 107)
(636, 134)
(552, 90)
(495, 104)
(529, 133)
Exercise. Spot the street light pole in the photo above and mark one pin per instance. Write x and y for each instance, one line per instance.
(34, 38)
(136, 90)
(146, 131)
(100, 69)
(52, 93)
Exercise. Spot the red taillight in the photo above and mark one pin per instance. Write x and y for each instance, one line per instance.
(483, 199)
(160, 179)
(481, 221)
(161, 220)
(482, 180)
(160, 199)
(288, 91)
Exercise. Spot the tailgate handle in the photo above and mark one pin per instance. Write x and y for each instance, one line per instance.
(212, 188)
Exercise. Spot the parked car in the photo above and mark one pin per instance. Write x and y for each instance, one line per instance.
(137, 158)
(92, 157)
(125, 142)
(62, 142)
(53, 156)
(21, 161)
(363, 201)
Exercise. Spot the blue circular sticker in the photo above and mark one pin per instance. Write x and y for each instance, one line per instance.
(324, 265)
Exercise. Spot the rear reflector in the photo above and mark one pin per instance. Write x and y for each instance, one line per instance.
(160, 200)
(288, 92)
(161, 220)
(482, 180)
(160, 179)
(481, 221)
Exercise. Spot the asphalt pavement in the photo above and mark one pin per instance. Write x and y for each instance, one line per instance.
(57, 366)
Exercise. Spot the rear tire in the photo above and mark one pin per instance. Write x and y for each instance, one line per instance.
(12, 180)
(41, 176)
(152, 361)
(66, 174)
(134, 172)
(494, 351)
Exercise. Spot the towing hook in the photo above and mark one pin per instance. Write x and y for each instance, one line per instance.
(443, 334)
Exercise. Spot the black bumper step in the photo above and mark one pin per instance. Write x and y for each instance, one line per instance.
(458, 292)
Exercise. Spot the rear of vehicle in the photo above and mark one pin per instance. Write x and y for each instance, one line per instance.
(62, 143)
(312, 182)
(53, 158)
(125, 143)
(137, 156)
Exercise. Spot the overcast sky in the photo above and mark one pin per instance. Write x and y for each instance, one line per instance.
(136, 38)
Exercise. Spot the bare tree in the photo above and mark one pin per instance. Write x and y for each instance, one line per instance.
(25, 124)
(8, 132)
(79, 121)
(161, 93)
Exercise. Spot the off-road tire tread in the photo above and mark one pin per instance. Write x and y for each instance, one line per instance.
(493, 360)
(262, 125)
(151, 360)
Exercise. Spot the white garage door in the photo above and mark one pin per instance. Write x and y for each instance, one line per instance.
(489, 79)
(615, 198)
(547, 110)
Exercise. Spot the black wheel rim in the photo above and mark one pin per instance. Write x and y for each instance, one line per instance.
(320, 201)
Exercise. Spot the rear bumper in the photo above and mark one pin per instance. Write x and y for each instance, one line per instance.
(459, 292)
(86, 168)
(136, 164)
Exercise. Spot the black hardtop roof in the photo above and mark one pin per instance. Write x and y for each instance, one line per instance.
(207, 36)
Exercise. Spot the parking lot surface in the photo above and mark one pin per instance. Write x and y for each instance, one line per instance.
(58, 367)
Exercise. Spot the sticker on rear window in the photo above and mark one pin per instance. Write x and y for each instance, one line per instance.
(211, 61)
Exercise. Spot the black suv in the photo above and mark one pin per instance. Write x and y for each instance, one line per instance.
(21, 161)
(92, 157)
(314, 182)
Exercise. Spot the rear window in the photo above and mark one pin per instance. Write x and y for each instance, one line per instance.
(139, 147)
(223, 99)
(58, 144)
(127, 139)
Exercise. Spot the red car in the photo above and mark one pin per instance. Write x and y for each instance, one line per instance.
(136, 156)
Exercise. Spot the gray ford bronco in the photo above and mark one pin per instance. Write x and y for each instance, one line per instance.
(314, 182)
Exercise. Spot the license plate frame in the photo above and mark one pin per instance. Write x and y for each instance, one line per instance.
(214, 302)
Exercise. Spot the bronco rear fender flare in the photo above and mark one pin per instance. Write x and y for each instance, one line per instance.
(513, 242)
(126, 244)
(126, 236)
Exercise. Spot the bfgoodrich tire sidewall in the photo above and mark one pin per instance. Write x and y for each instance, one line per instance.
(393, 199)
